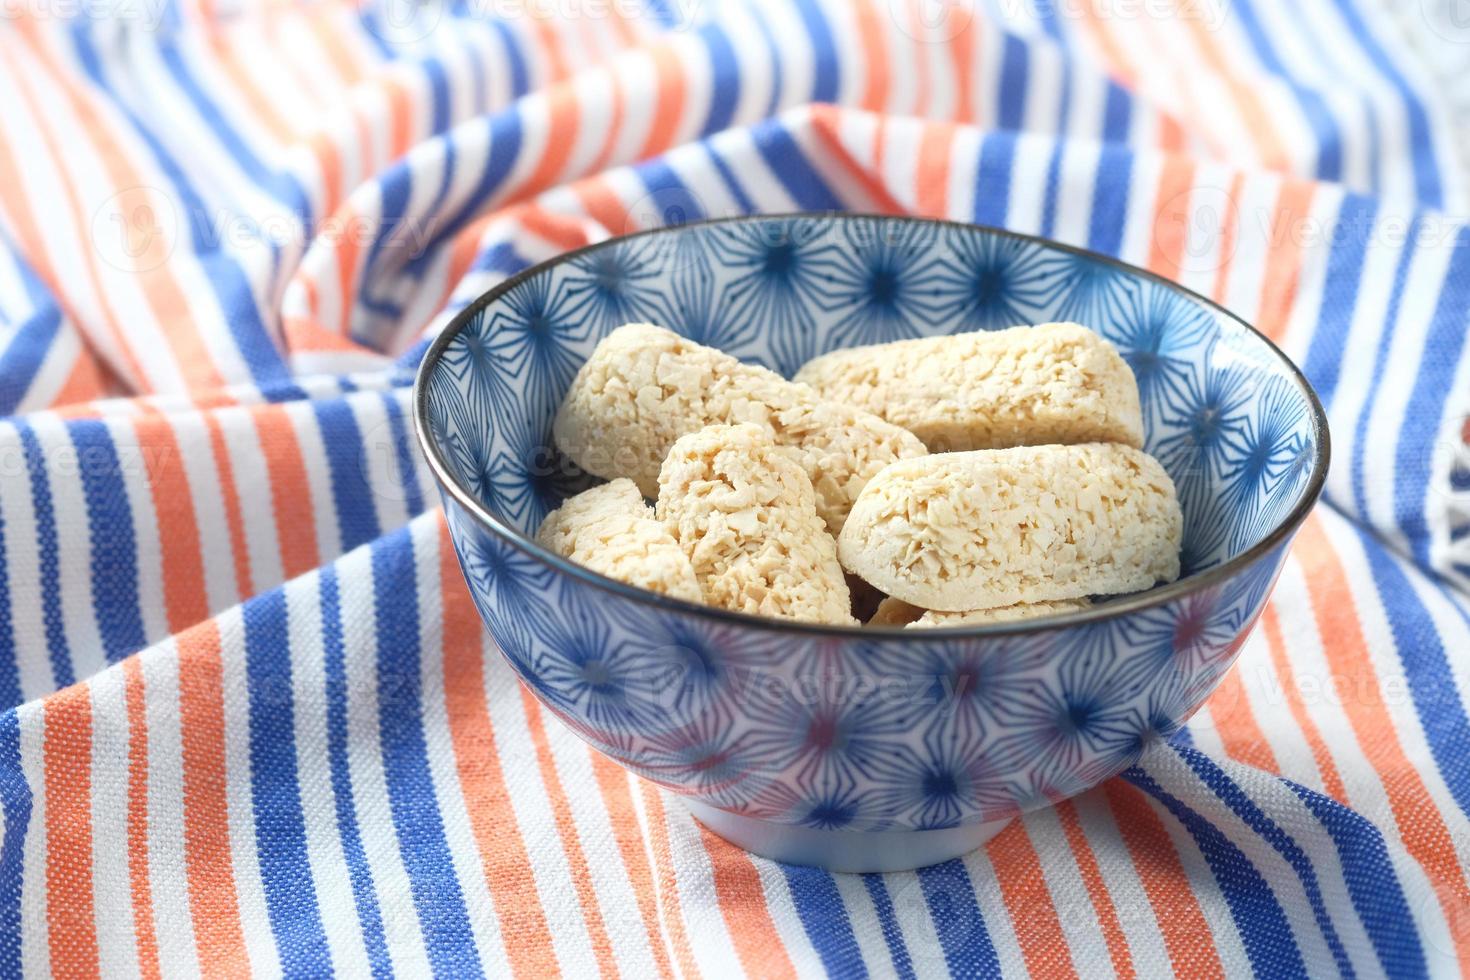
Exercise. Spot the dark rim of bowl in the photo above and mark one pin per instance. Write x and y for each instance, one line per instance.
(1106, 610)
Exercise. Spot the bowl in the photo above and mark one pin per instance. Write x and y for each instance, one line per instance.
(863, 749)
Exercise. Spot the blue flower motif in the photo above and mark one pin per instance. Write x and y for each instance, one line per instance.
(1158, 333)
(983, 282)
(949, 780)
(623, 283)
(881, 284)
(831, 802)
(814, 724)
(778, 275)
(534, 340)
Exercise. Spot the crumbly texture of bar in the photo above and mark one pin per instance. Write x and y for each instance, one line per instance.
(988, 528)
(612, 530)
(1025, 386)
(746, 516)
(896, 612)
(644, 387)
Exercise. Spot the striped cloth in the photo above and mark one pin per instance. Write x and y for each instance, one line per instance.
(253, 724)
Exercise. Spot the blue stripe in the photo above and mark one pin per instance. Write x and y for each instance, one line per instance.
(1421, 142)
(48, 552)
(1426, 664)
(679, 205)
(1110, 199)
(415, 811)
(1350, 236)
(1117, 114)
(1443, 345)
(1015, 71)
(993, 179)
(404, 456)
(725, 72)
(232, 288)
(515, 60)
(505, 146)
(1258, 916)
(1284, 844)
(1328, 139)
(950, 896)
(1380, 360)
(825, 84)
(357, 521)
(888, 922)
(280, 184)
(824, 917)
(732, 183)
(114, 548)
(334, 666)
(10, 693)
(32, 333)
(1054, 164)
(15, 798)
(1372, 884)
(280, 829)
(790, 167)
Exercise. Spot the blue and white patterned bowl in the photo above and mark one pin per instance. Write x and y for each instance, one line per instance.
(863, 749)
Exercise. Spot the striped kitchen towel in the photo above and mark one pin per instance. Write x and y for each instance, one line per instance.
(251, 722)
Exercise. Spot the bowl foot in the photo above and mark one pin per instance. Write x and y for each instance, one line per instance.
(844, 850)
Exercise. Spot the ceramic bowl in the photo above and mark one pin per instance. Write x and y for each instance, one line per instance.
(849, 748)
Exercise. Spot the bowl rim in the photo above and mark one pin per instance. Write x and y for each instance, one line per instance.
(1124, 605)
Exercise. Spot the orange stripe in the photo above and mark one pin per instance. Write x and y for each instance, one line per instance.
(743, 903)
(1097, 891)
(184, 600)
(599, 200)
(563, 113)
(824, 124)
(1326, 768)
(342, 225)
(71, 924)
(933, 178)
(612, 782)
(566, 829)
(165, 294)
(1032, 911)
(141, 888)
(1229, 223)
(295, 519)
(213, 905)
(560, 230)
(1257, 119)
(1171, 217)
(870, 34)
(1420, 825)
(79, 228)
(1186, 934)
(1236, 725)
(223, 41)
(963, 47)
(230, 497)
(503, 856)
(86, 381)
(1284, 261)
(670, 104)
(668, 882)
